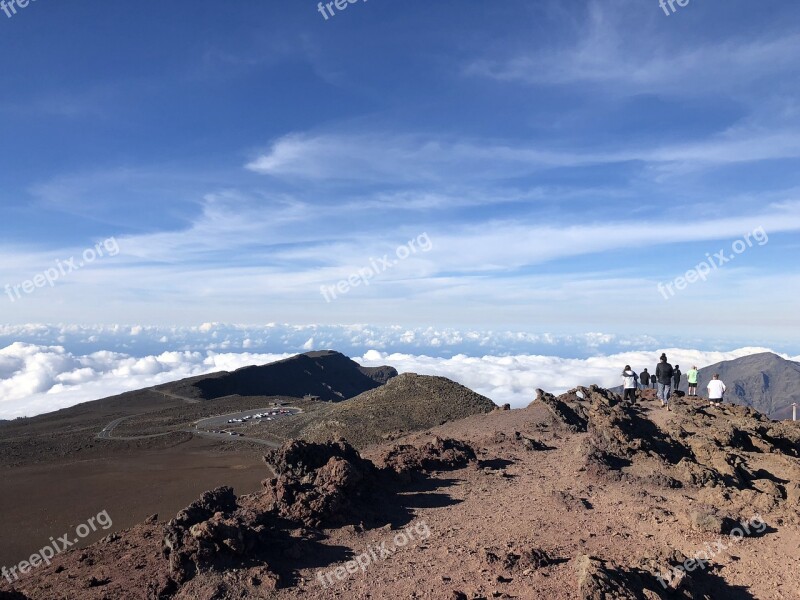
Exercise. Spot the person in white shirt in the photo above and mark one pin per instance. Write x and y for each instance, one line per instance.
(716, 390)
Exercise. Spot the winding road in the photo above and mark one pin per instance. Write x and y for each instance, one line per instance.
(105, 433)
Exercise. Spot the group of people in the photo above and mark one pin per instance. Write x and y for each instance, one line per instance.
(666, 379)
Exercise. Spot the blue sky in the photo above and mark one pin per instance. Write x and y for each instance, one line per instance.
(563, 159)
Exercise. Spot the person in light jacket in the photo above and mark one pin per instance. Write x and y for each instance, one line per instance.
(630, 381)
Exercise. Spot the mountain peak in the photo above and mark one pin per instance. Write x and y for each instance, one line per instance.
(325, 374)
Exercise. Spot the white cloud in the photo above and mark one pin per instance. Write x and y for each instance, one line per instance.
(280, 338)
(37, 379)
(514, 379)
(180, 277)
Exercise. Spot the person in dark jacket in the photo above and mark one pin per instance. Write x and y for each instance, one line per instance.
(644, 378)
(664, 373)
(676, 378)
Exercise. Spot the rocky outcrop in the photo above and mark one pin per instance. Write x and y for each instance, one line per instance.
(730, 449)
(566, 409)
(318, 484)
(299, 458)
(439, 455)
(211, 534)
(220, 542)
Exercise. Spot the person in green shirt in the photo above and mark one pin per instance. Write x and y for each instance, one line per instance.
(691, 376)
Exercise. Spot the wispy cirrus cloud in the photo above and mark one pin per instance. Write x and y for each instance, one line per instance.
(242, 251)
(602, 49)
(422, 160)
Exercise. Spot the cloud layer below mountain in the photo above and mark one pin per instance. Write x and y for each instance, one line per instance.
(35, 379)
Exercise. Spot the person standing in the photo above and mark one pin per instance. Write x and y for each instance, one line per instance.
(676, 378)
(644, 378)
(716, 391)
(664, 373)
(629, 385)
(691, 377)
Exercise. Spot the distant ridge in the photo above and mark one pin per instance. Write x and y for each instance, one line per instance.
(326, 374)
(764, 381)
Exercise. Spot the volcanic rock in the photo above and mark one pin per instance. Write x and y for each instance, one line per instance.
(439, 455)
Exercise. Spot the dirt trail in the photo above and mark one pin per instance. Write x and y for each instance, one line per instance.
(176, 396)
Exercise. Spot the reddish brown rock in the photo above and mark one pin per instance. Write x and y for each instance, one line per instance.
(439, 455)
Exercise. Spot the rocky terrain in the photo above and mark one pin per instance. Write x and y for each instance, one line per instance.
(575, 497)
(156, 460)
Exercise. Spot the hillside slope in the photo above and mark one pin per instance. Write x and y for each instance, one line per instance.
(408, 402)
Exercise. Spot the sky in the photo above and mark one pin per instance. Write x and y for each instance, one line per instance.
(520, 178)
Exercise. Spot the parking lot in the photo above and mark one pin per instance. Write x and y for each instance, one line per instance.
(234, 424)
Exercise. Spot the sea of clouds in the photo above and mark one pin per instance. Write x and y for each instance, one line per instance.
(46, 367)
